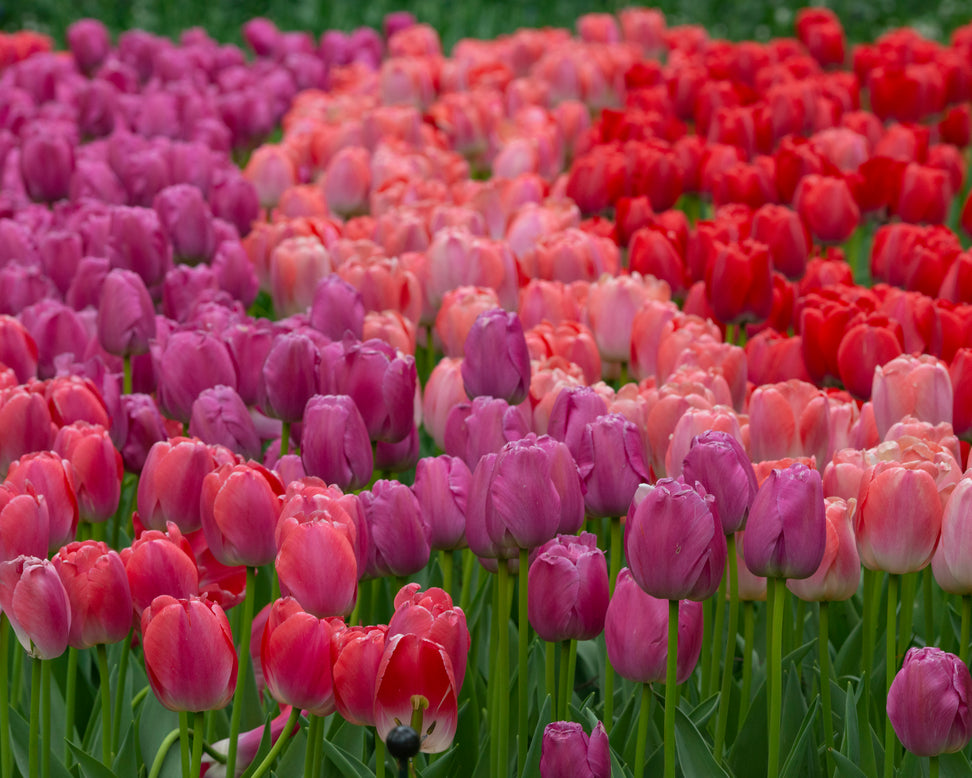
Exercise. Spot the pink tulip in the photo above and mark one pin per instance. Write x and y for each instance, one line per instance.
(160, 563)
(839, 573)
(24, 523)
(951, 564)
(787, 420)
(398, 530)
(356, 653)
(567, 750)
(98, 469)
(324, 592)
(611, 461)
(97, 587)
(441, 487)
(496, 362)
(911, 386)
(54, 479)
(431, 614)
(186, 461)
(335, 444)
(718, 461)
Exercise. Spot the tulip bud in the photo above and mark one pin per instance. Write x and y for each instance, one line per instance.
(160, 563)
(356, 653)
(24, 523)
(497, 361)
(191, 362)
(337, 308)
(219, 417)
(183, 461)
(98, 469)
(928, 702)
(53, 478)
(334, 442)
(911, 386)
(399, 532)
(97, 587)
(441, 487)
(185, 216)
(567, 750)
(89, 43)
(574, 408)
(718, 461)
(33, 598)
(481, 427)
(290, 375)
(46, 163)
(325, 591)
(611, 461)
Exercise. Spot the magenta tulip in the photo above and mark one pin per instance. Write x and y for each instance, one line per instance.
(334, 442)
(610, 456)
(33, 598)
(718, 461)
(183, 461)
(567, 750)
(399, 532)
(442, 488)
(496, 358)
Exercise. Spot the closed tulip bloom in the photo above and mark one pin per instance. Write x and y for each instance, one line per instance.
(951, 563)
(18, 350)
(290, 375)
(568, 589)
(97, 587)
(46, 163)
(674, 544)
(356, 653)
(89, 43)
(160, 563)
(718, 461)
(693, 422)
(441, 487)
(240, 505)
(25, 419)
(191, 362)
(611, 462)
(786, 533)
(190, 658)
(295, 656)
(398, 530)
(567, 750)
(497, 361)
(414, 666)
(219, 417)
(928, 702)
(53, 478)
(483, 426)
(908, 385)
(839, 573)
(98, 469)
(136, 241)
(573, 409)
(183, 461)
(636, 633)
(827, 207)
(138, 426)
(24, 523)
(337, 308)
(325, 591)
(187, 220)
(431, 614)
(33, 598)
(334, 442)
(790, 419)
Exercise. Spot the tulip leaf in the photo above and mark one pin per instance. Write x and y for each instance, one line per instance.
(348, 765)
(19, 737)
(292, 761)
(125, 762)
(954, 765)
(851, 744)
(845, 767)
(532, 767)
(154, 723)
(694, 754)
(702, 712)
(794, 709)
(90, 767)
(794, 764)
(848, 658)
(749, 753)
(797, 655)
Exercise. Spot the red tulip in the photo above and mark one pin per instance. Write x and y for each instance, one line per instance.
(190, 658)
(160, 563)
(53, 478)
(826, 206)
(33, 598)
(325, 591)
(98, 469)
(185, 461)
(356, 653)
(738, 281)
(24, 523)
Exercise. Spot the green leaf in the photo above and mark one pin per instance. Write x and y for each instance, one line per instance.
(845, 767)
(850, 745)
(265, 745)
(155, 722)
(125, 762)
(532, 766)
(794, 709)
(749, 753)
(90, 767)
(704, 711)
(954, 765)
(794, 764)
(349, 766)
(19, 737)
(694, 754)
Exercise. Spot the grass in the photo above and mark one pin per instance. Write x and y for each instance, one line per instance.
(759, 20)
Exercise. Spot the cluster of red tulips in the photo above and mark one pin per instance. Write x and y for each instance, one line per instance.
(290, 427)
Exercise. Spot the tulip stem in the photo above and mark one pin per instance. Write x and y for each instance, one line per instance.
(823, 646)
(446, 565)
(644, 716)
(379, 757)
(615, 564)
(550, 673)
(869, 626)
(908, 586)
(671, 688)
(313, 735)
(774, 677)
(749, 634)
(964, 630)
(126, 652)
(469, 564)
(502, 677)
(163, 751)
(198, 738)
(105, 683)
(184, 743)
(6, 757)
(928, 589)
(70, 696)
(34, 736)
(46, 720)
(563, 695)
(717, 627)
(523, 644)
(722, 717)
(284, 438)
(890, 667)
(278, 746)
(933, 767)
(127, 374)
(245, 627)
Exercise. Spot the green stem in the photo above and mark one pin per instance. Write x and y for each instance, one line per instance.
(801, 617)
(571, 674)
(623, 375)
(70, 697)
(34, 736)
(494, 686)
(379, 757)
(278, 746)
(964, 632)
(127, 374)
(749, 636)
(928, 589)
(707, 642)
(933, 767)
(284, 438)
(17, 679)
(869, 626)
(319, 745)
(890, 668)
(671, 688)
(823, 646)
(644, 716)
(718, 626)
(550, 673)
(446, 565)
(909, 586)
(198, 738)
(313, 735)
(163, 751)
(105, 683)
(722, 717)
(615, 564)
(523, 643)
(46, 718)
(184, 743)
(469, 565)
(563, 695)
(775, 676)
(126, 652)
(503, 751)
(245, 626)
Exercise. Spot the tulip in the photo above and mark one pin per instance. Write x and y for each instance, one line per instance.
(335, 445)
(290, 376)
(789, 420)
(928, 702)
(18, 350)
(786, 532)
(567, 750)
(160, 563)
(497, 362)
(337, 308)
(297, 264)
(483, 426)
(441, 487)
(399, 532)
(718, 461)
(97, 587)
(911, 386)
(35, 601)
(573, 409)
(416, 672)
(191, 362)
(295, 656)
(219, 417)
(673, 542)
(839, 574)
(137, 242)
(183, 461)
(54, 479)
(323, 591)
(239, 507)
(26, 421)
(827, 207)
(46, 163)
(356, 653)
(24, 523)
(186, 218)
(98, 469)
(89, 43)
(200, 677)
(611, 461)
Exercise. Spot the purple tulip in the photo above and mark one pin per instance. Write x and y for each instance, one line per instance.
(220, 417)
(60, 255)
(290, 375)
(928, 702)
(337, 308)
(787, 531)
(483, 426)
(611, 460)
(399, 532)
(23, 283)
(249, 343)
(57, 329)
(234, 271)
(126, 316)
(395, 21)
(137, 242)
(568, 589)
(187, 221)
(567, 750)
(189, 363)
(98, 108)
(719, 462)
(89, 43)
(636, 633)
(497, 360)
(187, 288)
(674, 544)
(573, 409)
(334, 442)
(442, 488)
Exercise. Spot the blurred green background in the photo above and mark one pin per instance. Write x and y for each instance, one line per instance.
(864, 20)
